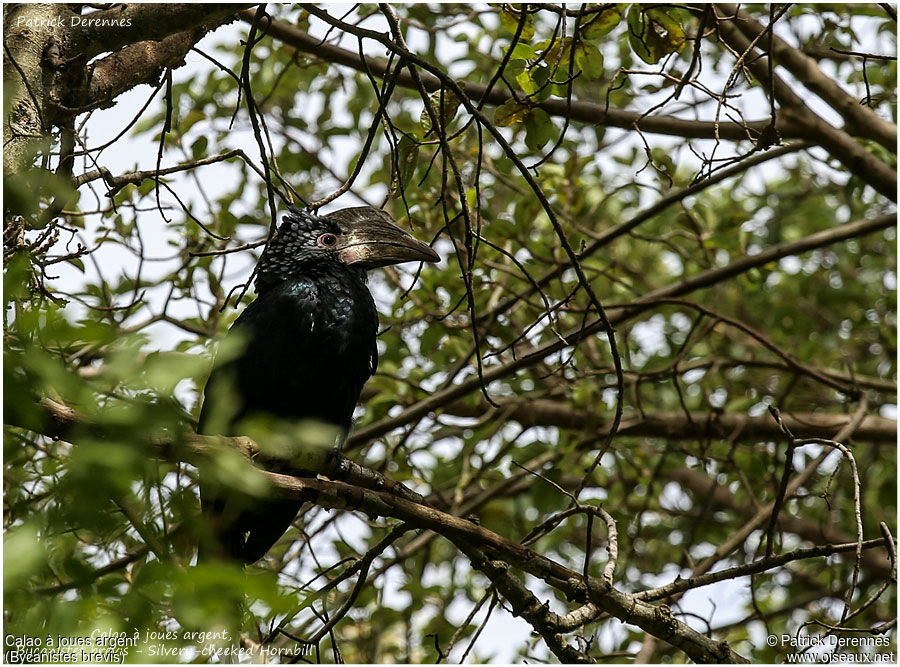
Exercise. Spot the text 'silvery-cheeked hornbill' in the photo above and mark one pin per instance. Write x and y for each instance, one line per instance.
(307, 348)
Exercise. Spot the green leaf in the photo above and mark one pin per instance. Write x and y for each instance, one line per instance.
(539, 129)
(526, 81)
(407, 159)
(522, 51)
(602, 23)
(560, 52)
(145, 187)
(510, 113)
(444, 104)
(23, 555)
(193, 117)
(589, 59)
(653, 33)
(22, 192)
(509, 22)
(198, 148)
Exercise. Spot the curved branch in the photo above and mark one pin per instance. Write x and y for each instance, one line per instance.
(531, 355)
(141, 63)
(657, 621)
(861, 120)
(843, 147)
(58, 419)
(139, 22)
(585, 112)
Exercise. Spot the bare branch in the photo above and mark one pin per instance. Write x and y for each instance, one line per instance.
(859, 161)
(142, 22)
(464, 534)
(768, 563)
(140, 63)
(586, 112)
(861, 121)
(532, 355)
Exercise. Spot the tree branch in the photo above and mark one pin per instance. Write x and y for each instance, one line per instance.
(861, 120)
(529, 356)
(659, 621)
(116, 183)
(586, 112)
(761, 565)
(859, 161)
(139, 22)
(678, 425)
(143, 62)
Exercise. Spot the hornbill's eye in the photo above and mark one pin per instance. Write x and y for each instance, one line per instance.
(327, 241)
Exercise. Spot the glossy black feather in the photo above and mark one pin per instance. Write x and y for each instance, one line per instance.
(307, 349)
(309, 346)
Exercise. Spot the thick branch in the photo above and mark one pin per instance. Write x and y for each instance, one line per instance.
(140, 63)
(678, 425)
(860, 120)
(139, 22)
(843, 147)
(529, 356)
(59, 419)
(658, 621)
(586, 112)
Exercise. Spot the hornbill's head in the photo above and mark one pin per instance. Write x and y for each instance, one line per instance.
(362, 237)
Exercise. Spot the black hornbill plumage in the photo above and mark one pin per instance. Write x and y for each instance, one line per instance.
(307, 347)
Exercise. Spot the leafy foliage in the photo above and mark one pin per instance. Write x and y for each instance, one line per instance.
(113, 308)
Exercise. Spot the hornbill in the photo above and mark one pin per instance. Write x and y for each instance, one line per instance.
(307, 347)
